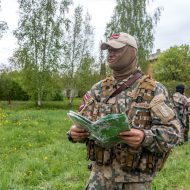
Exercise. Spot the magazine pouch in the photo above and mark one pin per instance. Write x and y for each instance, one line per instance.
(151, 162)
(101, 155)
(127, 157)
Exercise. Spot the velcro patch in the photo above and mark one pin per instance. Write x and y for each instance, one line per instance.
(160, 109)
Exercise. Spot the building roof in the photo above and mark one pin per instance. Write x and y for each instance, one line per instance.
(154, 56)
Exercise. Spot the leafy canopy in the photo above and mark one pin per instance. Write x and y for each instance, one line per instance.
(173, 66)
(131, 16)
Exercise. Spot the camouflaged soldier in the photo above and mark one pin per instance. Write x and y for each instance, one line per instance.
(155, 130)
(182, 103)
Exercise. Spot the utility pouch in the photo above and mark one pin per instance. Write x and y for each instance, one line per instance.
(147, 162)
(161, 159)
(90, 150)
(133, 158)
(128, 158)
(150, 162)
(99, 155)
(103, 156)
(108, 156)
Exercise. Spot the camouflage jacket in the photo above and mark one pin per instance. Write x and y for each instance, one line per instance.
(148, 107)
(181, 103)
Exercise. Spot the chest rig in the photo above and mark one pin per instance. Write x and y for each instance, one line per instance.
(138, 112)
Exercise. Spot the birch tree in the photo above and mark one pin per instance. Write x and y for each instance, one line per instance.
(78, 47)
(3, 25)
(41, 25)
(131, 16)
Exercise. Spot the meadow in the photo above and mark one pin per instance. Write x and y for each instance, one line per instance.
(36, 155)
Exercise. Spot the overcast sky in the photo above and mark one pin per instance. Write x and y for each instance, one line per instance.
(172, 29)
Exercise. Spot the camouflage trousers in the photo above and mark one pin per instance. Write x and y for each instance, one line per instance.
(184, 135)
(186, 131)
(98, 182)
(181, 138)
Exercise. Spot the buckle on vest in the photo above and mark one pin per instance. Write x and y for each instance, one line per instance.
(139, 99)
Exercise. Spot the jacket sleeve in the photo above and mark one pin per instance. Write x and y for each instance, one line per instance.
(166, 128)
(187, 102)
(89, 100)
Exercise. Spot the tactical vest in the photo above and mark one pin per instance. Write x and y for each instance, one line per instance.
(138, 112)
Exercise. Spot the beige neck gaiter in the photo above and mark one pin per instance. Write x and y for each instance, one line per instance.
(126, 65)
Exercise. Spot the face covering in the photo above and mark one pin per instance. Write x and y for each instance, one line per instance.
(125, 63)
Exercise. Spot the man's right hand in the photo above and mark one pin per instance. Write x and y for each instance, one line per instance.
(78, 133)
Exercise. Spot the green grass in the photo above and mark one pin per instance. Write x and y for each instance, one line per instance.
(176, 173)
(36, 155)
(18, 105)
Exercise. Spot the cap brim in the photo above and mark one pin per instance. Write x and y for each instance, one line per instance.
(112, 44)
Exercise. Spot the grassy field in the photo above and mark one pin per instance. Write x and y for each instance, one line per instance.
(35, 153)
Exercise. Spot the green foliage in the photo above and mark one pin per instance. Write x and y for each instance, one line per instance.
(3, 28)
(173, 67)
(3, 25)
(10, 89)
(102, 62)
(39, 36)
(131, 16)
(77, 52)
(85, 76)
(51, 47)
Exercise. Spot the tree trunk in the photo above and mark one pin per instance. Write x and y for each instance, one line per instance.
(39, 98)
(70, 100)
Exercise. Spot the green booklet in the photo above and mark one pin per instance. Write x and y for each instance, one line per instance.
(105, 130)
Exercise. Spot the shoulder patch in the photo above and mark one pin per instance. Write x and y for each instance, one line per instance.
(161, 109)
(157, 99)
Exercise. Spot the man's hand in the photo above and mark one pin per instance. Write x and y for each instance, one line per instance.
(133, 138)
(78, 134)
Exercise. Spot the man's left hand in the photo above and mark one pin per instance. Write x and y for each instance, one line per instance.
(133, 138)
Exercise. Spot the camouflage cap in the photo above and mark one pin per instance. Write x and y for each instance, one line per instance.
(119, 40)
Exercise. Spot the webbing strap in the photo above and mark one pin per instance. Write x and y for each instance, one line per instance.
(126, 84)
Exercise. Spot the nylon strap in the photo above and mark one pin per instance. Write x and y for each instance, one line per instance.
(126, 84)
